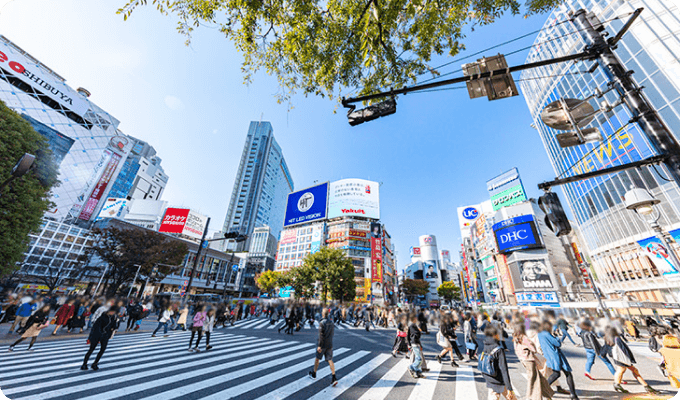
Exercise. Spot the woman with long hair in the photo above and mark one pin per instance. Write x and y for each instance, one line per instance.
(400, 343)
(555, 359)
(538, 387)
(63, 315)
(623, 360)
(197, 327)
(36, 323)
(446, 337)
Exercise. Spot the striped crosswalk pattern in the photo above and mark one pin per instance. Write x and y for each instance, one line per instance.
(263, 323)
(239, 366)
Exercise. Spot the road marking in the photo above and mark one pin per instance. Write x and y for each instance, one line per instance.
(383, 387)
(465, 383)
(425, 387)
(350, 380)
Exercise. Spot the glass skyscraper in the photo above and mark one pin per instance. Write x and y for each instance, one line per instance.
(261, 187)
(652, 50)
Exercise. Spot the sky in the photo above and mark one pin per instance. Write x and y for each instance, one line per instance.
(189, 102)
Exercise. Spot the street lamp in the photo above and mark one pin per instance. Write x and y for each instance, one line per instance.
(20, 169)
(642, 202)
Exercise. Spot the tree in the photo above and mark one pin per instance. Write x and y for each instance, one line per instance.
(126, 250)
(415, 287)
(334, 271)
(267, 281)
(321, 47)
(24, 200)
(301, 279)
(449, 291)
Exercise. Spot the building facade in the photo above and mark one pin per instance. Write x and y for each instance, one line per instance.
(141, 176)
(651, 49)
(262, 184)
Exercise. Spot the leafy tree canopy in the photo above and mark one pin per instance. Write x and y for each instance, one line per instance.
(335, 272)
(322, 47)
(267, 281)
(415, 287)
(24, 200)
(449, 291)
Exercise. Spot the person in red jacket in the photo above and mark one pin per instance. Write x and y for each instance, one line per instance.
(64, 313)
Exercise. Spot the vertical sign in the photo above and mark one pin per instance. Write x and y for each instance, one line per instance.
(100, 187)
(376, 252)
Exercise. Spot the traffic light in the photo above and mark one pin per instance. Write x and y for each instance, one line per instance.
(555, 217)
(372, 112)
(231, 235)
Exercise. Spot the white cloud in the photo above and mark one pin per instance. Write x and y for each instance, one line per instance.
(173, 103)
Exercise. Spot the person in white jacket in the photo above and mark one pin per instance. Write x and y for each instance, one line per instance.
(163, 320)
(208, 326)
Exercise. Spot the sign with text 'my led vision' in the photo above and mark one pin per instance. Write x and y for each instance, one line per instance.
(506, 189)
(517, 234)
(307, 205)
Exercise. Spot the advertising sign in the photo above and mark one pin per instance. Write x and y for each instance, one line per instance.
(357, 234)
(534, 274)
(415, 251)
(508, 197)
(16, 64)
(466, 217)
(537, 298)
(306, 205)
(516, 234)
(113, 208)
(504, 272)
(286, 292)
(195, 224)
(317, 232)
(59, 143)
(288, 236)
(376, 259)
(659, 256)
(354, 197)
(174, 220)
(98, 191)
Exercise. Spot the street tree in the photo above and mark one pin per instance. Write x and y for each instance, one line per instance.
(324, 47)
(126, 250)
(334, 272)
(415, 287)
(24, 200)
(302, 279)
(449, 291)
(267, 281)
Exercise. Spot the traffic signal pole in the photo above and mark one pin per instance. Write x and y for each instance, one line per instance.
(643, 112)
(198, 256)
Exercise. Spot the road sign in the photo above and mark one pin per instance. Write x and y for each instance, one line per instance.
(234, 267)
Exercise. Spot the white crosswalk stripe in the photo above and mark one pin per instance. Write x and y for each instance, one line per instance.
(263, 323)
(239, 366)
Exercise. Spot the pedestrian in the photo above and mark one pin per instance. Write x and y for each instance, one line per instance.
(78, 320)
(22, 314)
(446, 336)
(538, 387)
(197, 327)
(422, 320)
(563, 326)
(324, 346)
(182, 319)
(102, 330)
(593, 349)
(400, 341)
(555, 359)
(671, 356)
(63, 315)
(36, 323)
(494, 367)
(414, 333)
(470, 335)
(208, 326)
(163, 320)
(624, 360)
(134, 313)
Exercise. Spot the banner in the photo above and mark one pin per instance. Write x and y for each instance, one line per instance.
(174, 220)
(99, 188)
(659, 256)
(307, 205)
(534, 274)
(376, 259)
(354, 197)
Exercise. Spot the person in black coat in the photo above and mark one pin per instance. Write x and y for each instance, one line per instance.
(101, 332)
(499, 384)
(134, 314)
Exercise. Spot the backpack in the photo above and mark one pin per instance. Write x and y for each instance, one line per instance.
(486, 365)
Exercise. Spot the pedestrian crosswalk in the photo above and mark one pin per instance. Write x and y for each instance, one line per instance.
(264, 323)
(136, 366)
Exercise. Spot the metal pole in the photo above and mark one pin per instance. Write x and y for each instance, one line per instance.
(100, 280)
(198, 256)
(134, 280)
(643, 112)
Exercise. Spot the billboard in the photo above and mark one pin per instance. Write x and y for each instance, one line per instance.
(288, 236)
(113, 208)
(307, 205)
(658, 255)
(517, 234)
(184, 221)
(467, 216)
(376, 259)
(506, 189)
(354, 197)
(317, 233)
(534, 274)
(534, 299)
(98, 191)
(59, 143)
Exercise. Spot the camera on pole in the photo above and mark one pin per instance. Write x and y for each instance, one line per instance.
(555, 217)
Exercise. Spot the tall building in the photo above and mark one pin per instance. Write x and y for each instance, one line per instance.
(262, 184)
(613, 234)
(141, 176)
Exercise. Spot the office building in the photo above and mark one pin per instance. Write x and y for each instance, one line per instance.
(141, 176)
(612, 234)
(261, 186)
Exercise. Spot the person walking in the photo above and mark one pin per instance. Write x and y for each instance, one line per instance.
(555, 359)
(446, 336)
(400, 341)
(36, 323)
(134, 314)
(324, 346)
(563, 326)
(102, 330)
(163, 320)
(208, 326)
(494, 366)
(470, 335)
(624, 360)
(593, 349)
(197, 327)
(671, 357)
(63, 315)
(182, 320)
(538, 387)
(22, 314)
(414, 334)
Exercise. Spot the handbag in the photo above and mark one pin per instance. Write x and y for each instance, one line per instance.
(470, 345)
(401, 334)
(443, 341)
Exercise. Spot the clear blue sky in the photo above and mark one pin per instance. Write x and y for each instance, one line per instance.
(435, 154)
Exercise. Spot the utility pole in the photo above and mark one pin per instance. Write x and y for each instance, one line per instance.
(198, 256)
(643, 112)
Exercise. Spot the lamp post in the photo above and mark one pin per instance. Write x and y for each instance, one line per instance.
(642, 202)
(20, 169)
